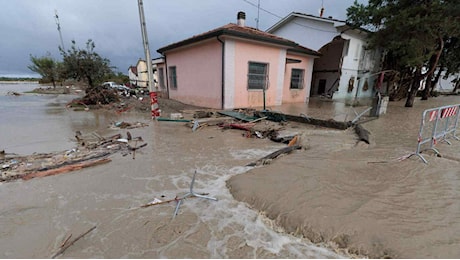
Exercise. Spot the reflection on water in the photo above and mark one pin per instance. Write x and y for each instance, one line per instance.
(41, 123)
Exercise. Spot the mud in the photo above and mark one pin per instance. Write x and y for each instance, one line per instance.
(361, 197)
(343, 196)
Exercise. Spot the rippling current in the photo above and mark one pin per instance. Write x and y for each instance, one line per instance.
(409, 208)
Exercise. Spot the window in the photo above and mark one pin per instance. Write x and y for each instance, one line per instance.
(297, 78)
(161, 77)
(257, 75)
(172, 77)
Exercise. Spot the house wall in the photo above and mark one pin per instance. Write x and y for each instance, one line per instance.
(142, 75)
(297, 95)
(356, 63)
(327, 67)
(198, 69)
(132, 77)
(356, 67)
(236, 72)
(310, 33)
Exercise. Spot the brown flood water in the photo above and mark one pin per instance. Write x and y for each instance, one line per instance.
(400, 209)
(360, 196)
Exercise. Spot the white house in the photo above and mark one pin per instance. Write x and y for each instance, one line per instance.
(346, 70)
(138, 74)
(132, 74)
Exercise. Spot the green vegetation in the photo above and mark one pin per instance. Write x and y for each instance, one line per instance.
(85, 64)
(18, 79)
(79, 64)
(46, 66)
(420, 39)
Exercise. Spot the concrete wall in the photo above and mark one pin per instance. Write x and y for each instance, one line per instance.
(312, 34)
(142, 75)
(198, 69)
(245, 52)
(297, 95)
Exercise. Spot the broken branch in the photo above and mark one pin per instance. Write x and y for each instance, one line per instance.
(275, 154)
(64, 247)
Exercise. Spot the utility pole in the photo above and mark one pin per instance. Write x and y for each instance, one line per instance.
(56, 17)
(152, 88)
(258, 11)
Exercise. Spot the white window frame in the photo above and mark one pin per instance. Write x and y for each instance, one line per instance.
(257, 80)
(298, 81)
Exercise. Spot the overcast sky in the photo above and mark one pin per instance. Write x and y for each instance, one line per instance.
(29, 26)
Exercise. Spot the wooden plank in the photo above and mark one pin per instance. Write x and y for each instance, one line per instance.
(66, 168)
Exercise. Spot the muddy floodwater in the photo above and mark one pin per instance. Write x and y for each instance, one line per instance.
(334, 198)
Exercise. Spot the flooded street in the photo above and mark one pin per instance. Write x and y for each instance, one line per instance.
(360, 196)
(344, 197)
(37, 216)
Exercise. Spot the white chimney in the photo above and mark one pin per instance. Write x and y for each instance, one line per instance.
(241, 18)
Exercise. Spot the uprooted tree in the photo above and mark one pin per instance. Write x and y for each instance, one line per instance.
(420, 39)
(88, 66)
(46, 66)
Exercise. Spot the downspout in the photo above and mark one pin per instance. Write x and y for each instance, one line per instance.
(167, 77)
(223, 71)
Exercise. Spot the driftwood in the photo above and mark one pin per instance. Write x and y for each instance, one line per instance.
(154, 203)
(275, 154)
(159, 202)
(241, 126)
(362, 133)
(277, 117)
(38, 165)
(67, 168)
(64, 246)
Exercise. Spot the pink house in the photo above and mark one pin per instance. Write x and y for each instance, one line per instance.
(235, 66)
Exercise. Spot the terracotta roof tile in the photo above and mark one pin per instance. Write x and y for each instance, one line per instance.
(247, 32)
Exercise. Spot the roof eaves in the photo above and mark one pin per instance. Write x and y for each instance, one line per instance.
(191, 40)
(303, 50)
(281, 22)
(257, 37)
(228, 32)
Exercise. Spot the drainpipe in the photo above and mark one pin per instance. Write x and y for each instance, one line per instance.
(223, 70)
(167, 76)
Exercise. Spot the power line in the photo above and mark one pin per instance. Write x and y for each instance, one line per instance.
(280, 17)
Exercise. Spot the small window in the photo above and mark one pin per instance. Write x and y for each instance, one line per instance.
(297, 78)
(172, 77)
(257, 75)
(161, 77)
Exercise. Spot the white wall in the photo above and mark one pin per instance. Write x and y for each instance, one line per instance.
(308, 33)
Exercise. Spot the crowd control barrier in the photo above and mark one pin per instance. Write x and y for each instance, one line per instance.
(438, 124)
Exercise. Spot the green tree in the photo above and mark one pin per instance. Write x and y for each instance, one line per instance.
(46, 66)
(85, 64)
(412, 31)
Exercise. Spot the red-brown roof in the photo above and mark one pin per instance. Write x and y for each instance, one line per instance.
(246, 32)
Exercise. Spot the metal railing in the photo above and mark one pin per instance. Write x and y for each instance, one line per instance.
(437, 125)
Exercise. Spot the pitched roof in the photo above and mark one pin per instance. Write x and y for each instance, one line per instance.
(245, 32)
(293, 15)
(133, 69)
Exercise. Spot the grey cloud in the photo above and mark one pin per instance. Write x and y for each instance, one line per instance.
(28, 26)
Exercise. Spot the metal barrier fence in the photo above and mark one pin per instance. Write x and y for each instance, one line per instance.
(438, 124)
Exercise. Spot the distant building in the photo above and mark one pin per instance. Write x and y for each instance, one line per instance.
(346, 70)
(132, 74)
(236, 66)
